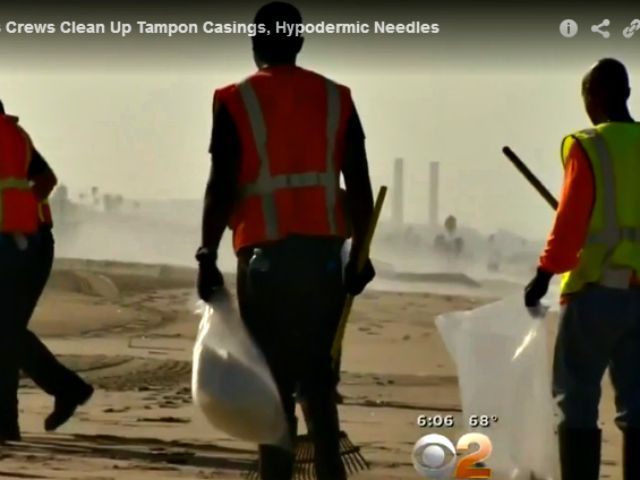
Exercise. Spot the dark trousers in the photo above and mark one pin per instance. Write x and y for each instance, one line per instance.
(337, 365)
(36, 360)
(291, 295)
(599, 328)
(24, 276)
(16, 267)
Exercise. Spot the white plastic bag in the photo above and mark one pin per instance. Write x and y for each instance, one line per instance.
(231, 382)
(500, 351)
(344, 254)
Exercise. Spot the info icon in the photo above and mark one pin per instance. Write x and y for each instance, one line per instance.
(568, 28)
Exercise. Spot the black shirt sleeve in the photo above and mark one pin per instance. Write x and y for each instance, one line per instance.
(38, 164)
(356, 178)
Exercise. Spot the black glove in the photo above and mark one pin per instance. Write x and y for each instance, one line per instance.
(210, 278)
(537, 288)
(355, 281)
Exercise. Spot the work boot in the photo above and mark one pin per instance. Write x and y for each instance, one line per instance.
(275, 463)
(293, 429)
(631, 454)
(65, 406)
(580, 453)
(9, 413)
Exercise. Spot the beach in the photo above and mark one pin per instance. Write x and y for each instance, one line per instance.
(129, 329)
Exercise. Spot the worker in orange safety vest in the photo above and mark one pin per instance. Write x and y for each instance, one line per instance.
(26, 256)
(281, 139)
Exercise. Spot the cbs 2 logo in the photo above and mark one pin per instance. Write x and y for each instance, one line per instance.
(430, 456)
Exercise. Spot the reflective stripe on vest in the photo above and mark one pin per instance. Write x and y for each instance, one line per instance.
(266, 185)
(612, 233)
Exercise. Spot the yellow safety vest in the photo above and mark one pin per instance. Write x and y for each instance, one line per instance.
(611, 253)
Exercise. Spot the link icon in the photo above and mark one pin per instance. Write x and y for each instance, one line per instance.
(631, 30)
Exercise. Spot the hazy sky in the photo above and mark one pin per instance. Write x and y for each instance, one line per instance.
(145, 134)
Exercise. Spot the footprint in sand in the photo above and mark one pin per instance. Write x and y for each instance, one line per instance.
(164, 419)
(116, 410)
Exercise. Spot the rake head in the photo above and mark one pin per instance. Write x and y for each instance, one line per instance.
(352, 459)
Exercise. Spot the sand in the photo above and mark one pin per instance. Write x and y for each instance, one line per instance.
(129, 329)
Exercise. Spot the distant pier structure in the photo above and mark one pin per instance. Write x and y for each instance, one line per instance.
(397, 203)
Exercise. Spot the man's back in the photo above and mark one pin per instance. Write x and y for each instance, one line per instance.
(293, 107)
(291, 125)
(623, 142)
(19, 204)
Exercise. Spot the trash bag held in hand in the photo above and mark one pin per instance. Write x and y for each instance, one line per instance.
(231, 381)
(500, 352)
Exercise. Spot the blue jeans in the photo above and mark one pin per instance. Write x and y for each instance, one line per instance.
(599, 328)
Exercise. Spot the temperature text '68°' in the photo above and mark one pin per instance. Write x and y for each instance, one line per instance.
(483, 421)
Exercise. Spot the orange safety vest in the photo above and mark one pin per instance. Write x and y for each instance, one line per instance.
(44, 213)
(18, 204)
(291, 123)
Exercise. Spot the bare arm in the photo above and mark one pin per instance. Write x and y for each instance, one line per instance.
(358, 184)
(220, 192)
(43, 178)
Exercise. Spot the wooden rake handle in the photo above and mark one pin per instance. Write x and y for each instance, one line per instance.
(362, 259)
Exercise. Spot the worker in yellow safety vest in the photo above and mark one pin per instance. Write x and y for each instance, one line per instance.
(595, 245)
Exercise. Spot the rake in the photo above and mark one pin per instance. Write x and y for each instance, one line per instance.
(304, 469)
(336, 349)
